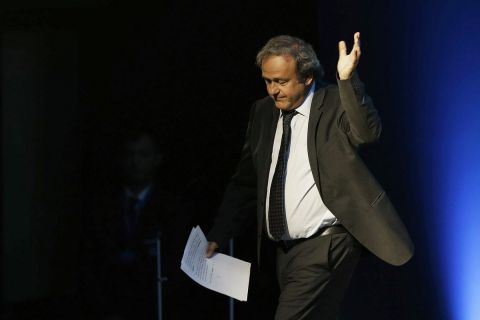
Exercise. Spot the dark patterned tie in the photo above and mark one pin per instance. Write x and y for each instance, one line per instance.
(276, 212)
(132, 216)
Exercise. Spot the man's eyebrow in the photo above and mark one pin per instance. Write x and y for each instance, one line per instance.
(274, 79)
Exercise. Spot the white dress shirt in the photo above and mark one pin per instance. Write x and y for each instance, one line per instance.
(305, 210)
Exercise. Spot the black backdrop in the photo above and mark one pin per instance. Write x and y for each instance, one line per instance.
(186, 68)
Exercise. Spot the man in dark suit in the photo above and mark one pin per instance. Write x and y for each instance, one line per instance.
(315, 197)
(123, 225)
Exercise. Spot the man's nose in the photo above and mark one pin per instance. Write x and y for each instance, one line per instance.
(272, 88)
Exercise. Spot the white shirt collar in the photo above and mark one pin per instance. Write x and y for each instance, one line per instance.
(304, 108)
(141, 196)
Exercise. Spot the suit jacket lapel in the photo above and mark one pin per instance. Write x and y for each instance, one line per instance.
(267, 149)
(314, 118)
(315, 115)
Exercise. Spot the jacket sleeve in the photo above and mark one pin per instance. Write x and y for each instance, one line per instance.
(239, 199)
(358, 117)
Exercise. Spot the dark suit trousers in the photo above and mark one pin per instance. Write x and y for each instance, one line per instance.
(314, 275)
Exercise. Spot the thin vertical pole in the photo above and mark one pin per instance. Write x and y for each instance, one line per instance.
(159, 279)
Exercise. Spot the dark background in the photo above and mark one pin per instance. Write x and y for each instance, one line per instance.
(75, 75)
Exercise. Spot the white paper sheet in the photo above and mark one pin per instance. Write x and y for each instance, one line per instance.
(221, 273)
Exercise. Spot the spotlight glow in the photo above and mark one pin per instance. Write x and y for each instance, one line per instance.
(450, 98)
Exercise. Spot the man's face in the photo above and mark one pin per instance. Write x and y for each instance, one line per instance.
(283, 85)
(140, 160)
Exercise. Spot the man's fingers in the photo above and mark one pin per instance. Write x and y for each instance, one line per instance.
(356, 44)
(342, 48)
(212, 246)
(356, 39)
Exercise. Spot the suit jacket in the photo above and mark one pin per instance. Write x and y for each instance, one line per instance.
(120, 271)
(341, 119)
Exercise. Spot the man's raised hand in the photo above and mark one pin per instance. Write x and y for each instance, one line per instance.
(348, 62)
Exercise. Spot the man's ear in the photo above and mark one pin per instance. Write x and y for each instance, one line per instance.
(308, 80)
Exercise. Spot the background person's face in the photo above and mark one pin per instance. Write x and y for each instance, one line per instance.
(140, 160)
(283, 86)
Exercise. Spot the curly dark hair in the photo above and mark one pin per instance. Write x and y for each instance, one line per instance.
(302, 52)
